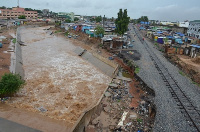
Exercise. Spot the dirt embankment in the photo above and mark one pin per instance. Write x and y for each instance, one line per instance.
(4, 54)
(191, 66)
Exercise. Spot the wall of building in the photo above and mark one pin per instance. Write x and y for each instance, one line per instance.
(194, 29)
(65, 15)
(14, 13)
(183, 24)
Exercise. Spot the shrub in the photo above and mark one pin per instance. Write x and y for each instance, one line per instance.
(10, 84)
(14, 40)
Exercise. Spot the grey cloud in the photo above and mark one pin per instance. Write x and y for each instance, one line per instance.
(154, 9)
(173, 13)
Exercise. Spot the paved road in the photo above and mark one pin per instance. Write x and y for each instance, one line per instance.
(9, 126)
(169, 117)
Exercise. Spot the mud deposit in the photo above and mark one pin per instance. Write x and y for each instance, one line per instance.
(59, 84)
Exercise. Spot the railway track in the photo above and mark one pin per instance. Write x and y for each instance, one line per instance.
(184, 103)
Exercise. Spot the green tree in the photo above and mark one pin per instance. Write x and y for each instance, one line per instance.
(2, 7)
(122, 22)
(10, 84)
(22, 17)
(146, 19)
(143, 19)
(68, 21)
(76, 19)
(98, 19)
(28, 9)
(99, 30)
(112, 19)
(92, 19)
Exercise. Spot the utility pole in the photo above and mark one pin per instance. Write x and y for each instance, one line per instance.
(103, 21)
(18, 3)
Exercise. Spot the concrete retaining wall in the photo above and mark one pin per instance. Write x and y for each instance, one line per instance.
(18, 62)
(105, 60)
(84, 119)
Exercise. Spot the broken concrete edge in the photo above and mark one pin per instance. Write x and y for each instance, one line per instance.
(148, 89)
(81, 122)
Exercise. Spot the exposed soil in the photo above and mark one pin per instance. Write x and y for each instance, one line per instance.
(128, 98)
(190, 66)
(136, 93)
(4, 55)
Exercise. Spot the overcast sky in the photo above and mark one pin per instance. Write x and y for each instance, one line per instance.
(173, 10)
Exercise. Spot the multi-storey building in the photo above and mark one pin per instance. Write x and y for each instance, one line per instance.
(194, 29)
(15, 12)
(65, 15)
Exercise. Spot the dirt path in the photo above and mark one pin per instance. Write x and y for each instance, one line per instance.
(4, 55)
(31, 119)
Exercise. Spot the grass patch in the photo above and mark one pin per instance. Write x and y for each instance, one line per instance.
(67, 33)
(156, 44)
(139, 120)
(137, 70)
(14, 40)
(101, 45)
(124, 74)
(182, 73)
(58, 31)
(196, 83)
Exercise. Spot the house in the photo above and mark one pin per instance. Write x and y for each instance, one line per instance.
(66, 25)
(113, 42)
(183, 24)
(194, 29)
(64, 15)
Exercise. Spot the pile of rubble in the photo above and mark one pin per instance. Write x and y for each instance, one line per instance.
(116, 112)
